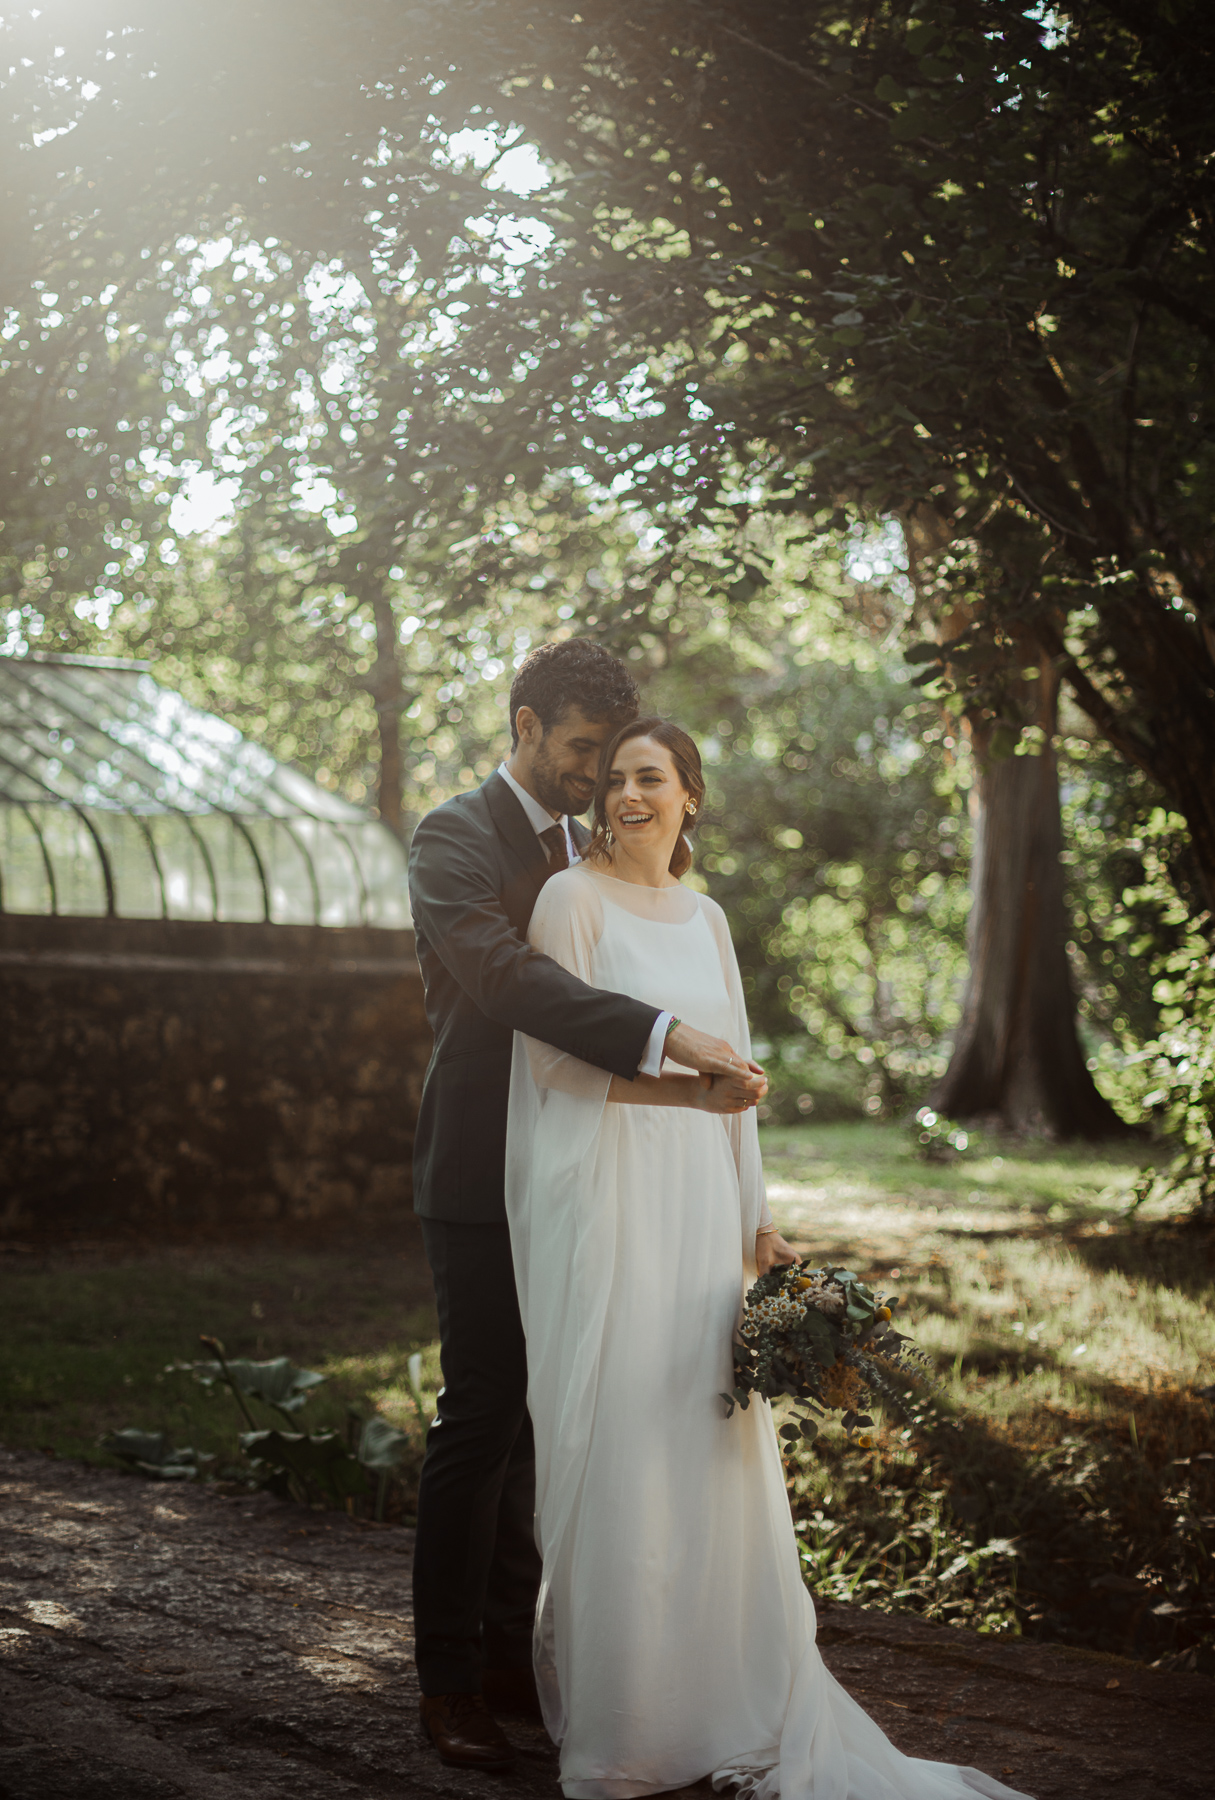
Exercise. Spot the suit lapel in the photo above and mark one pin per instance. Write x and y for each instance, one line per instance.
(514, 825)
(580, 835)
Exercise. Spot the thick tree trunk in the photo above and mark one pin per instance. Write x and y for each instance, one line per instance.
(1017, 1059)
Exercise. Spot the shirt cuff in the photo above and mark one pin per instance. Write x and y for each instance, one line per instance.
(651, 1062)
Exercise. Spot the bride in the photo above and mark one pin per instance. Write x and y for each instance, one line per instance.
(674, 1637)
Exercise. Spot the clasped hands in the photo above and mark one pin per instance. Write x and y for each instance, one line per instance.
(731, 1082)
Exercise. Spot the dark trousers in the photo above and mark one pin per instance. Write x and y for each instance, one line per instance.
(476, 1567)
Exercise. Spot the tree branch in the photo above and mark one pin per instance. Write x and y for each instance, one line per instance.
(1092, 701)
(1189, 314)
(806, 74)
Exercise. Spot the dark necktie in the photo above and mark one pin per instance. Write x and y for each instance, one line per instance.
(555, 847)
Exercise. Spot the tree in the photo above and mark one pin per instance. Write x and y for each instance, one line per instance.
(878, 257)
(953, 282)
(841, 258)
(896, 258)
(179, 189)
(832, 832)
(1017, 1056)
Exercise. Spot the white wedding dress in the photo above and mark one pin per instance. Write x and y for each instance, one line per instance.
(674, 1636)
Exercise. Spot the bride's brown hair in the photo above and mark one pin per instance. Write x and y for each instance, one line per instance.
(684, 755)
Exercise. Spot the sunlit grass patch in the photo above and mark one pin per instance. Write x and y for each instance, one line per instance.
(1071, 1344)
(382, 1382)
(824, 1165)
(383, 1377)
(1073, 1497)
(1032, 1311)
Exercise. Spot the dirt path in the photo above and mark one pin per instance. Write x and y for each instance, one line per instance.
(160, 1643)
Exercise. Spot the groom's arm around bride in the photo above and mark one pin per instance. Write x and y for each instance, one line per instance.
(477, 865)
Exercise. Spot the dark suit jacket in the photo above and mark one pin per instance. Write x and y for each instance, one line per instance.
(475, 870)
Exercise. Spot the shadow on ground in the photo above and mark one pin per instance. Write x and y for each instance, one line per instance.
(163, 1643)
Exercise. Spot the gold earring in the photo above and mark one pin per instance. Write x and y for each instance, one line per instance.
(690, 809)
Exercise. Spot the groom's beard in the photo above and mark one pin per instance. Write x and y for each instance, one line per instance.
(559, 790)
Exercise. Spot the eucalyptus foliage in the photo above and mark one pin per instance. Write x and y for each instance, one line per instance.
(823, 1338)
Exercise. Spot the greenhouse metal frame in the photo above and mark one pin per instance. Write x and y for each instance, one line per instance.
(120, 799)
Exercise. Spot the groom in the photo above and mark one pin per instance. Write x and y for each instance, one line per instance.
(476, 867)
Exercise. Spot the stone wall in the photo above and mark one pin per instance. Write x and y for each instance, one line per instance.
(163, 1079)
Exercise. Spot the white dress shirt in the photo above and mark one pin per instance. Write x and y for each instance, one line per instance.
(541, 820)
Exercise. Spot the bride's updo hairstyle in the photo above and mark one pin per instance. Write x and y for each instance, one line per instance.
(683, 754)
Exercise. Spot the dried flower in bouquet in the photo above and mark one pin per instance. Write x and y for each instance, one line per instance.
(824, 1339)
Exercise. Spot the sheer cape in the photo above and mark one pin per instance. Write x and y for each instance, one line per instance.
(559, 1158)
(674, 1636)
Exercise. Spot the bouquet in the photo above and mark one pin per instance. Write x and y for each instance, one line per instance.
(824, 1338)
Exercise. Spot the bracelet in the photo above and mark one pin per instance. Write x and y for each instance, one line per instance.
(764, 1230)
(671, 1027)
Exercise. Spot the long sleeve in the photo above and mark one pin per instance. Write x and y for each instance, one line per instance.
(460, 915)
(743, 1127)
(557, 1101)
(566, 925)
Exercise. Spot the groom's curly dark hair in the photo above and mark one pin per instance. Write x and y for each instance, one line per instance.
(555, 677)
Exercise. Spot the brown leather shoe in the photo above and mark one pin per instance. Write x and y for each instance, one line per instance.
(464, 1732)
(511, 1691)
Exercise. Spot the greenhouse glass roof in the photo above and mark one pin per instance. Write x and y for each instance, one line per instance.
(118, 798)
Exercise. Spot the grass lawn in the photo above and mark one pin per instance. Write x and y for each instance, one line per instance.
(1064, 1485)
(1067, 1486)
(89, 1335)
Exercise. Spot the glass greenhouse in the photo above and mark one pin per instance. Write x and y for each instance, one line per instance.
(117, 798)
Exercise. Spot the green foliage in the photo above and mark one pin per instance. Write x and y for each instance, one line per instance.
(353, 1315)
(808, 249)
(149, 1453)
(382, 1448)
(1183, 1065)
(824, 1337)
(317, 1463)
(1180, 1070)
(836, 855)
(381, 1445)
(900, 1551)
(261, 311)
(300, 1465)
(832, 835)
(276, 1383)
(1128, 896)
(317, 1467)
(1087, 1540)
(812, 266)
(1071, 1349)
(936, 1140)
(1143, 954)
